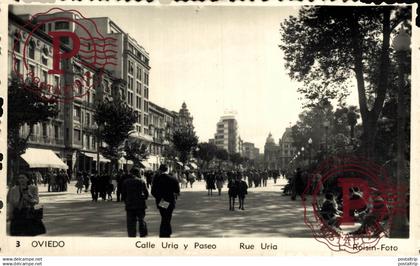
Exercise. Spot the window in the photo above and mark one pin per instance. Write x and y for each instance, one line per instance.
(62, 25)
(138, 74)
(76, 135)
(44, 130)
(138, 102)
(138, 88)
(17, 42)
(88, 142)
(130, 67)
(49, 27)
(65, 40)
(146, 78)
(17, 66)
(45, 76)
(146, 93)
(130, 83)
(56, 132)
(31, 49)
(130, 98)
(77, 112)
(146, 106)
(44, 60)
(88, 77)
(87, 119)
(146, 120)
(56, 81)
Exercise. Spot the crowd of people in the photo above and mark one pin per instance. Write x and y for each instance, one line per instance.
(133, 188)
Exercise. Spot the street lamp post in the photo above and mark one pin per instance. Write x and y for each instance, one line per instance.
(303, 153)
(401, 45)
(326, 125)
(310, 151)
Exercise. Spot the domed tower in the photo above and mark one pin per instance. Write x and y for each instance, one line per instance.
(185, 119)
(270, 152)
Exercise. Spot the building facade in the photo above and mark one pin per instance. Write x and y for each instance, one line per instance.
(72, 134)
(161, 128)
(250, 151)
(278, 156)
(227, 134)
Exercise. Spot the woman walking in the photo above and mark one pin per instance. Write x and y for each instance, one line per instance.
(219, 182)
(79, 183)
(24, 219)
(210, 179)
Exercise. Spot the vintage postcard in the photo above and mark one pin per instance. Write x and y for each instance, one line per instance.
(272, 128)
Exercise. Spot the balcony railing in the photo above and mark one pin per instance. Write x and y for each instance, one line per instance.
(46, 140)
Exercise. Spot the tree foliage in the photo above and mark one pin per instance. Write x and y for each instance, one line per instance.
(184, 140)
(206, 151)
(327, 47)
(115, 120)
(26, 105)
(136, 151)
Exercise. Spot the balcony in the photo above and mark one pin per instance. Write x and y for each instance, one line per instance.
(46, 140)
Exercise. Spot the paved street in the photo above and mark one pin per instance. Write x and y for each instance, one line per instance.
(266, 214)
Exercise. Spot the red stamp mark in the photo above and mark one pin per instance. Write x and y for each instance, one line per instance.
(72, 39)
(352, 205)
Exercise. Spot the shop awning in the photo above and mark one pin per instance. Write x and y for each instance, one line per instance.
(124, 161)
(40, 158)
(193, 165)
(145, 165)
(94, 157)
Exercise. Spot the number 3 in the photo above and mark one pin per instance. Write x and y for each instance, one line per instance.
(17, 244)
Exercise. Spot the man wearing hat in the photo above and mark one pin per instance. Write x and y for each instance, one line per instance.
(135, 194)
(165, 188)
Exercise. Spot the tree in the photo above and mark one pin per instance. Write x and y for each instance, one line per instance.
(28, 106)
(184, 140)
(206, 152)
(331, 45)
(115, 120)
(136, 151)
(222, 155)
(236, 158)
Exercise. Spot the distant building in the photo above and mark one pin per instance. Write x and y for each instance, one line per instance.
(250, 151)
(286, 148)
(227, 136)
(161, 127)
(278, 156)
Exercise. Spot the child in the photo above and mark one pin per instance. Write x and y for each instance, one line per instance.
(242, 191)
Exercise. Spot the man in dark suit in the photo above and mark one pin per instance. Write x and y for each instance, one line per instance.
(165, 188)
(135, 194)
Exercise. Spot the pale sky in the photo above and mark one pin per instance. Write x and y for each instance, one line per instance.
(215, 59)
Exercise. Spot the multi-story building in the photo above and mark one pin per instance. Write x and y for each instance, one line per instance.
(286, 148)
(161, 127)
(278, 156)
(227, 135)
(250, 151)
(72, 135)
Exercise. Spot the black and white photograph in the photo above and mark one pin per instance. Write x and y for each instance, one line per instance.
(206, 121)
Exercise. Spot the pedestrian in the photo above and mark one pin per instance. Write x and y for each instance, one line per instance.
(94, 180)
(191, 178)
(210, 179)
(232, 192)
(86, 181)
(120, 180)
(219, 182)
(24, 219)
(242, 191)
(134, 194)
(165, 188)
(298, 186)
(79, 182)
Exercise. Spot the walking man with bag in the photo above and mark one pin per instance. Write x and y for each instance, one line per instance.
(165, 188)
(135, 194)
